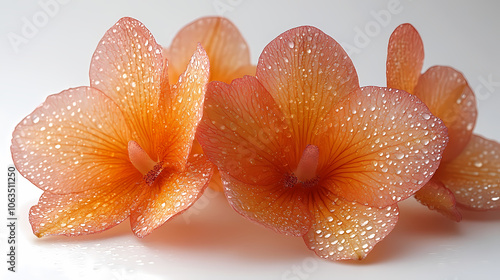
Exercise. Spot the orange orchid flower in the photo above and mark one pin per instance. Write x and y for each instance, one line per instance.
(469, 174)
(228, 53)
(119, 148)
(303, 150)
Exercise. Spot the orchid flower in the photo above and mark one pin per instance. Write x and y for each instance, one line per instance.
(469, 175)
(303, 150)
(119, 148)
(228, 53)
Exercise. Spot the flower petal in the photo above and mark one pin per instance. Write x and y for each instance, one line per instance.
(379, 146)
(345, 230)
(446, 92)
(170, 195)
(306, 72)
(179, 113)
(76, 140)
(437, 197)
(405, 58)
(85, 212)
(243, 132)
(127, 66)
(224, 44)
(215, 182)
(274, 206)
(474, 176)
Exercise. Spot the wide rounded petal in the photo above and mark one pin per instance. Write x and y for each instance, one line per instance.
(243, 132)
(225, 46)
(127, 66)
(437, 197)
(345, 230)
(275, 206)
(170, 195)
(405, 58)
(379, 146)
(179, 113)
(86, 212)
(75, 141)
(449, 97)
(474, 176)
(306, 72)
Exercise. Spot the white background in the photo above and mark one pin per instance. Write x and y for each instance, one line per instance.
(211, 241)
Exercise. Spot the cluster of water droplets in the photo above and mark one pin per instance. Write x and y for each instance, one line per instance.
(347, 230)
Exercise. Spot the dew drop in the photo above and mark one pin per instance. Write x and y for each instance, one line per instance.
(291, 45)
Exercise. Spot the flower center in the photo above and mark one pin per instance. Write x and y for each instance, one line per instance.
(142, 162)
(306, 169)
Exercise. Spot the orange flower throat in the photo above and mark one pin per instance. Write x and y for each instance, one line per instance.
(142, 162)
(305, 173)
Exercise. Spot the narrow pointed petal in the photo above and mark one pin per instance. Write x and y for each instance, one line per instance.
(379, 146)
(306, 72)
(86, 212)
(127, 66)
(405, 58)
(345, 230)
(75, 141)
(437, 197)
(449, 97)
(223, 43)
(179, 113)
(274, 206)
(243, 132)
(474, 176)
(170, 195)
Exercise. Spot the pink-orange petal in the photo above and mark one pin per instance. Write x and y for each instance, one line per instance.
(345, 230)
(243, 132)
(306, 72)
(170, 195)
(76, 140)
(449, 97)
(180, 112)
(437, 197)
(379, 146)
(86, 212)
(274, 206)
(224, 44)
(405, 58)
(127, 66)
(474, 176)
